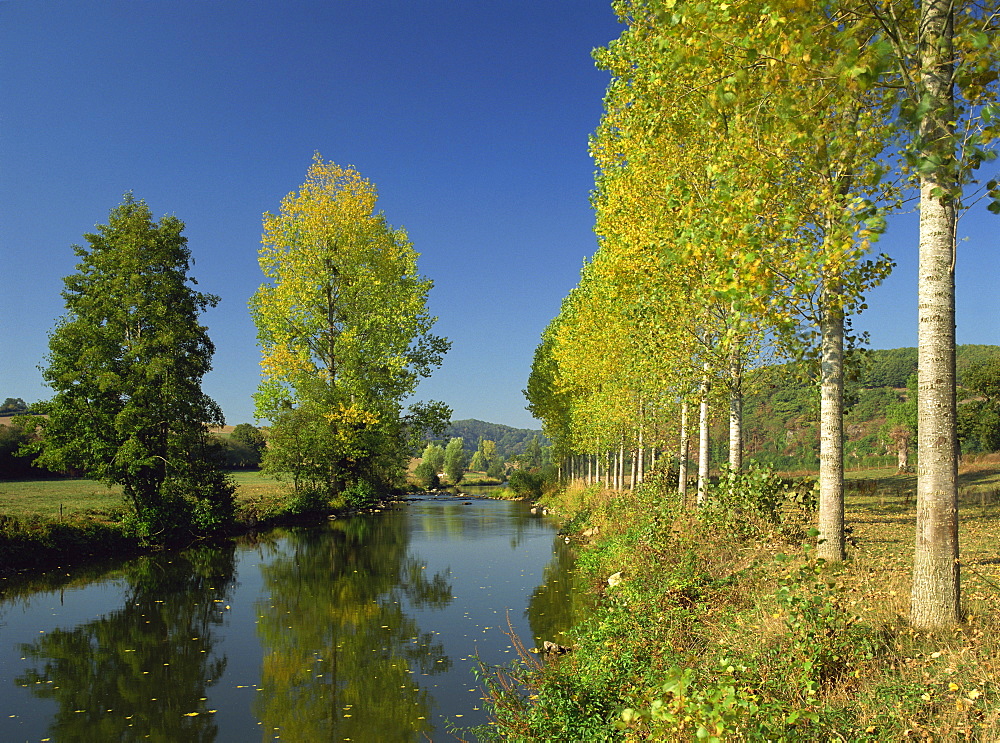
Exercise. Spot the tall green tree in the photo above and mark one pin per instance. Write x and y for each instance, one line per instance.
(454, 460)
(431, 464)
(345, 336)
(250, 436)
(126, 363)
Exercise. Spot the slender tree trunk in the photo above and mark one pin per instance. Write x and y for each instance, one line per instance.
(736, 411)
(682, 459)
(641, 469)
(935, 599)
(831, 427)
(621, 464)
(703, 440)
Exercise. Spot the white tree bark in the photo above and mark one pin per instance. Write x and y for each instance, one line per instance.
(935, 598)
(621, 464)
(831, 427)
(736, 412)
(703, 440)
(682, 459)
(641, 468)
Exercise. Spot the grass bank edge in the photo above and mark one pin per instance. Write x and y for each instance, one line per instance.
(713, 630)
(95, 524)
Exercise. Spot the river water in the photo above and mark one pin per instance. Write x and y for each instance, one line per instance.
(364, 629)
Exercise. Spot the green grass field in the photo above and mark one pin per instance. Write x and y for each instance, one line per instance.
(52, 498)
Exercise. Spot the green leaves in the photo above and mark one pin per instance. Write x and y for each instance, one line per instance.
(126, 363)
(993, 191)
(344, 332)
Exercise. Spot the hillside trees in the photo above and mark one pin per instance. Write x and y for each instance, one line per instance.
(126, 363)
(345, 336)
(979, 418)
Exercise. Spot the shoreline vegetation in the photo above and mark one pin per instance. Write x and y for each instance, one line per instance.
(721, 623)
(57, 522)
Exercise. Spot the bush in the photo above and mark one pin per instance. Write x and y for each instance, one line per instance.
(361, 494)
(307, 500)
(427, 475)
(36, 542)
(526, 484)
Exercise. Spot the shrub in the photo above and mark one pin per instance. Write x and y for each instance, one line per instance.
(361, 494)
(526, 484)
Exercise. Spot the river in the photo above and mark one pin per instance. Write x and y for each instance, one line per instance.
(364, 629)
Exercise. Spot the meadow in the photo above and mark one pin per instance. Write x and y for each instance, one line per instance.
(55, 498)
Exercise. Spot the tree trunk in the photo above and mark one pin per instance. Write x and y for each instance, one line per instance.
(703, 440)
(682, 459)
(621, 464)
(641, 468)
(935, 598)
(736, 412)
(831, 427)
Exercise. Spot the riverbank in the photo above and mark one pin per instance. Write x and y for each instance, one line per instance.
(53, 523)
(707, 625)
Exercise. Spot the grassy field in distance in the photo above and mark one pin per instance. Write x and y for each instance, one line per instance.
(23, 498)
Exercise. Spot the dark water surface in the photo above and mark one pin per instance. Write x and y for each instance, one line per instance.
(362, 629)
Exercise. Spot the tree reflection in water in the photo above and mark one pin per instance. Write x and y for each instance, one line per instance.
(341, 658)
(141, 671)
(550, 611)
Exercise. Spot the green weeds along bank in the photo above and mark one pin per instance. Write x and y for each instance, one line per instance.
(724, 626)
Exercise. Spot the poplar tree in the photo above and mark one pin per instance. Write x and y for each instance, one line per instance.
(345, 336)
(454, 460)
(946, 58)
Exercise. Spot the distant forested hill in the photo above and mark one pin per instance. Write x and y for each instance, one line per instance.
(892, 367)
(509, 441)
(781, 412)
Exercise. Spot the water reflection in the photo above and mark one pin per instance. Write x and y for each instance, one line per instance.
(551, 609)
(143, 670)
(340, 654)
(365, 628)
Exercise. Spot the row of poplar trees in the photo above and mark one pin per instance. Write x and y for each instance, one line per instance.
(746, 160)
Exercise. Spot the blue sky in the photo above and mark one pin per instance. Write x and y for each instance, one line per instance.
(472, 119)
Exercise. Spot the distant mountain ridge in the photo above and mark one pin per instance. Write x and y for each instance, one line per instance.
(510, 441)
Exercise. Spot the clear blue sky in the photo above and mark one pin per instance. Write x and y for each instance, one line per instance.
(472, 119)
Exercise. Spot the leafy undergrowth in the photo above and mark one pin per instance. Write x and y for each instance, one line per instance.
(722, 625)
